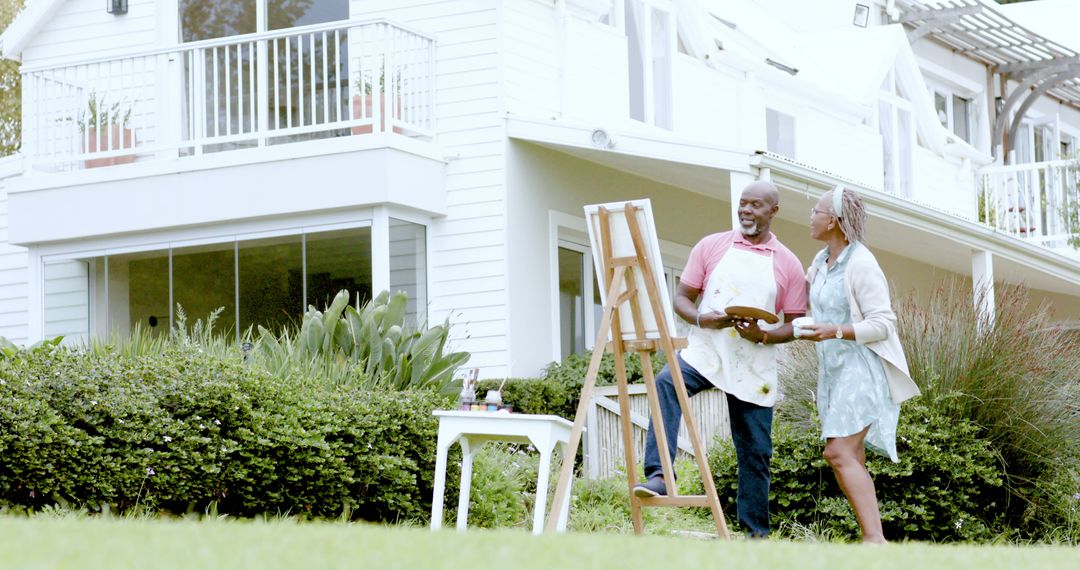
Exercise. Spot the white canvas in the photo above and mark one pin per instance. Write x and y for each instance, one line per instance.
(623, 246)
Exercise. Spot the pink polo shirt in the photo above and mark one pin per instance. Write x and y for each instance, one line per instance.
(790, 278)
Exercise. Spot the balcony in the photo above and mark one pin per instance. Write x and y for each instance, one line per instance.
(1038, 202)
(343, 79)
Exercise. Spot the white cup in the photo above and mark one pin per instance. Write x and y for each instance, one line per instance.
(798, 325)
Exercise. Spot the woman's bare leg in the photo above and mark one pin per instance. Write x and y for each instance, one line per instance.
(847, 457)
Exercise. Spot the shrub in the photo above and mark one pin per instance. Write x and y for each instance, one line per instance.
(571, 371)
(185, 431)
(535, 395)
(1017, 381)
(946, 486)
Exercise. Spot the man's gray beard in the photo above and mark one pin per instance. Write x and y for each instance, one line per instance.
(750, 231)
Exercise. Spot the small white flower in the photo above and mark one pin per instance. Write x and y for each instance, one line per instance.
(202, 426)
(2, 383)
(167, 439)
(121, 420)
(149, 471)
(217, 422)
(93, 402)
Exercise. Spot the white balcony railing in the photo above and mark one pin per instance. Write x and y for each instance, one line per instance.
(1038, 202)
(239, 92)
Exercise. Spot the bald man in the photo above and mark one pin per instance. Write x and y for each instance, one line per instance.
(746, 267)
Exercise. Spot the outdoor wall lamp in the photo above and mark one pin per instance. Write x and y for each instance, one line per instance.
(116, 7)
(862, 15)
(601, 139)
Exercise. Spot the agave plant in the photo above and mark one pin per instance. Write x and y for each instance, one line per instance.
(372, 340)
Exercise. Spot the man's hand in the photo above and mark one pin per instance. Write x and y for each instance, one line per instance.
(716, 320)
(749, 330)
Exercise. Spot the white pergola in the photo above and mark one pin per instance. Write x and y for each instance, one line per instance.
(1036, 65)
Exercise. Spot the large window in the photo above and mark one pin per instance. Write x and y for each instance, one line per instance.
(897, 127)
(580, 307)
(207, 19)
(954, 112)
(780, 133)
(651, 37)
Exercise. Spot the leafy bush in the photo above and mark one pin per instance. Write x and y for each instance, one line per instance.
(1018, 381)
(535, 395)
(571, 371)
(186, 431)
(946, 487)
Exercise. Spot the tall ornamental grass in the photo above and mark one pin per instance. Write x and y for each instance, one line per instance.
(1016, 377)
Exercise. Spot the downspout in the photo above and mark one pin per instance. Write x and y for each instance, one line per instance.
(892, 11)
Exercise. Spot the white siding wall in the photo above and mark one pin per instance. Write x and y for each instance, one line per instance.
(944, 183)
(82, 29)
(707, 103)
(468, 246)
(533, 52)
(13, 280)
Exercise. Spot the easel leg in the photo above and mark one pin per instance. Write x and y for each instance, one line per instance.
(562, 490)
(699, 452)
(627, 429)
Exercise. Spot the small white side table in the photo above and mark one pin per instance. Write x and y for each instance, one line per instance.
(473, 429)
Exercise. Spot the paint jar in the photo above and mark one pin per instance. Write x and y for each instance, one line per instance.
(493, 400)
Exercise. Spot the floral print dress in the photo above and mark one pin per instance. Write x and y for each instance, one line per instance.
(852, 389)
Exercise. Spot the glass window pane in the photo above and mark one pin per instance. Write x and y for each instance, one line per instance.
(206, 19)
(67, 301)
(571, 306)
(271, 283)
(408, 266)
(941, 107)
(204, 280)
(336, 261)
(961, 112)
(139, 292)
(292, 13)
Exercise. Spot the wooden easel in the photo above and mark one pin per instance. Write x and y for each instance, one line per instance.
(618, 273)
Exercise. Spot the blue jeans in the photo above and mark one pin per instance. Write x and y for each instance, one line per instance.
(751, 427)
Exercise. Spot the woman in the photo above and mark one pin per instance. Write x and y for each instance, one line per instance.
(862, 373)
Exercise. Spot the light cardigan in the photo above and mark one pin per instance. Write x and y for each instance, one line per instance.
(873, 319)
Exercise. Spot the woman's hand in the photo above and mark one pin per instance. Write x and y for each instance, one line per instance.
(819, 332)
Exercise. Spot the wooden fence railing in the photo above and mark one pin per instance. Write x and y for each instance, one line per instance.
(604, 455)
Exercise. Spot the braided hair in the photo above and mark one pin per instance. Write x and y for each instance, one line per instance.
(852, 218)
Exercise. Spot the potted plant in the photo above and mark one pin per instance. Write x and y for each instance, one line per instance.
(104, 127)
(363, 99)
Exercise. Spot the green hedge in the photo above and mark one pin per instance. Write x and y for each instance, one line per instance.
(183, 431)
(947, 485)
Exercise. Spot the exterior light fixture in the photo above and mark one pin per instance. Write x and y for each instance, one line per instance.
(601, 139)
(116, 7)
(862, 15)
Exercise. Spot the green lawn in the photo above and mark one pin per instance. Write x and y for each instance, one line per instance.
(88, 543)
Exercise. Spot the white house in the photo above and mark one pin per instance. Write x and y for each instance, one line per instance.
(259, 156)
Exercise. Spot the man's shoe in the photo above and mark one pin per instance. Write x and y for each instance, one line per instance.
(652, 488)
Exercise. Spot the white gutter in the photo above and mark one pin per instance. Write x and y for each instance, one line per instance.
(913, 214)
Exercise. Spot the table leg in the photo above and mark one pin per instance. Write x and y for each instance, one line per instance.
(440, 483)
(540, 507)
(467, 451)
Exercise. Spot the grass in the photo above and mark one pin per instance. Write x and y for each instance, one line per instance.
(89, 543)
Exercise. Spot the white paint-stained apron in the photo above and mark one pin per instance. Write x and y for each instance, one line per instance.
(739, 367)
